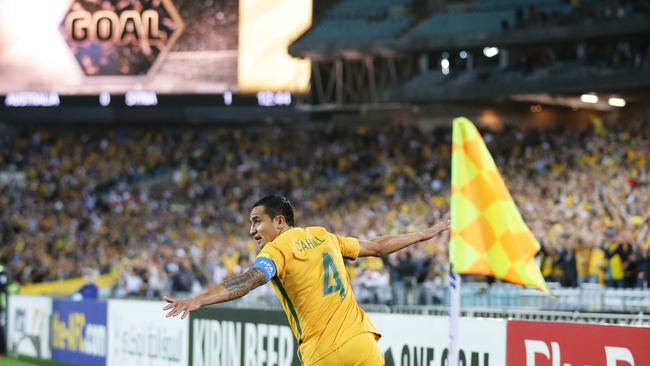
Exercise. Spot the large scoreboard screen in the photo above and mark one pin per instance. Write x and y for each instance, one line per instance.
(140, 49)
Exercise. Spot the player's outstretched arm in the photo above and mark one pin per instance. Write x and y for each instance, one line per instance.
(385, 245)
(230, 289)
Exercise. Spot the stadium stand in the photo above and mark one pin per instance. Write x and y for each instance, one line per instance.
(541, 46)
(362, 29)
(362, 20)
(481, 83)
(365, 8)
(168, 206)
(454, 23)
(402, 25)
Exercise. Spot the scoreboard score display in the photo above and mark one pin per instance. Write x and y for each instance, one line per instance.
(140, 52)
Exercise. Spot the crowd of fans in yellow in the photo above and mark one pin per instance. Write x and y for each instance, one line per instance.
(168, 206)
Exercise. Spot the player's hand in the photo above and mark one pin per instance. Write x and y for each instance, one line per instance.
(435, 229)
(178, 306)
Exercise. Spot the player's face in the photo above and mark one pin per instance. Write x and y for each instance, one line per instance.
(263, 228)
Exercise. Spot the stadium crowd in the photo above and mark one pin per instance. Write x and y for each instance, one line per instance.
(578, 11)
(168, 207)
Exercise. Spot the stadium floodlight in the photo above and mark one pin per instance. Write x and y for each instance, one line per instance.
(444, 65)
(616, 102)
(104, 99)
(589, 98)
(490, 51)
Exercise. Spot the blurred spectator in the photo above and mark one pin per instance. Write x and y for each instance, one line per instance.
(568, 268)
(597, 265)
(183, 280)
(89, 290)
(644, 268)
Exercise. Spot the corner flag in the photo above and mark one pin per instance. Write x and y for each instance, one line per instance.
(488, 235)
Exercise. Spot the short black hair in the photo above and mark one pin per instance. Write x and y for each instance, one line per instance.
(275, 205)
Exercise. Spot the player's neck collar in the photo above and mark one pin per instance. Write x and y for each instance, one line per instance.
(284, 231)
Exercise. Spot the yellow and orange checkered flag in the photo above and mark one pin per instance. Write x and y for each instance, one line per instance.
(488, 235)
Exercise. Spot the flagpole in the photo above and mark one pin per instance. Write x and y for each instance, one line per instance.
(454, 317)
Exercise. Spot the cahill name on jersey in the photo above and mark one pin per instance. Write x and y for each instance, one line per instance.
(308, 274)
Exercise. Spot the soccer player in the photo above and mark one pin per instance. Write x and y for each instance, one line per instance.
(306, 269)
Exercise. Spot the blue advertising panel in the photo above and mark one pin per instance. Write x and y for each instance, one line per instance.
(79, 335)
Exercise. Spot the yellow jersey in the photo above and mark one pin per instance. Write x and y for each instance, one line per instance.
(615, 262)
(311, 282)
(597, 263)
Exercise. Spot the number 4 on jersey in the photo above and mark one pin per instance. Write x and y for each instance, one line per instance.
(328, 266)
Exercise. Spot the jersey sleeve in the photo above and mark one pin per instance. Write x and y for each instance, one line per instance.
(272, 251)
(349, 246)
